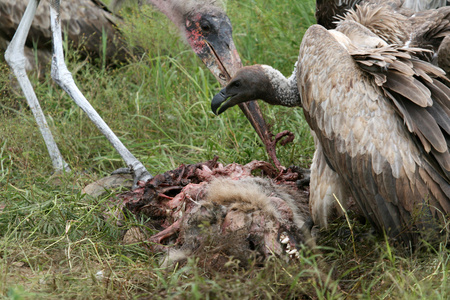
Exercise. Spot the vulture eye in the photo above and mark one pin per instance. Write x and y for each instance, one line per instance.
(236, 84)
(205, 26)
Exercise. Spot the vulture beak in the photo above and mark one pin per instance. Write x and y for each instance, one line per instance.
(224, 101)
(218, 99)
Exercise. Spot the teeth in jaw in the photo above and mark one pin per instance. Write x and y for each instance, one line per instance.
(284, 239)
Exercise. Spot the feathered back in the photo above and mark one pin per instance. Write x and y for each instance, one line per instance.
(381, 20)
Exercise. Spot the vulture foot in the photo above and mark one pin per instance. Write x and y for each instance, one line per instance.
(140, 175)
(306, 176)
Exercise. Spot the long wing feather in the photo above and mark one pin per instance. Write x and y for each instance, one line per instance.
(410, 85)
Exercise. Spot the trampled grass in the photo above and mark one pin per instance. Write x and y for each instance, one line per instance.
(55, 242)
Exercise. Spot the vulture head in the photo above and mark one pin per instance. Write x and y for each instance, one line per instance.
(207, 29)
(250, 83)
(258, 82)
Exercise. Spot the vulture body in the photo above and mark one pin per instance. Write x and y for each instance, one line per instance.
(380, 117)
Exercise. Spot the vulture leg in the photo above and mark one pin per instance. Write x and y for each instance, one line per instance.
(15, 58)
(64, 78)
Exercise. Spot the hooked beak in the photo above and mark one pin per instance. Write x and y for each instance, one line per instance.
(224, 60)
(217, 101)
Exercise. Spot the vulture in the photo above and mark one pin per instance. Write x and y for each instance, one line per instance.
(204, 25)
(380, 117)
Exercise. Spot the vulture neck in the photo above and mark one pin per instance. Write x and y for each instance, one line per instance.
(284, 90)
(170, 9)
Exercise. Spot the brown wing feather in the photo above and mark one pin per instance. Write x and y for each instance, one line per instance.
(409, 88)
(413, 89)
(399, 186)
(429, 28)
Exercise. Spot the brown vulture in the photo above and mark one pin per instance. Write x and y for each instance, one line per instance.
(380, 117)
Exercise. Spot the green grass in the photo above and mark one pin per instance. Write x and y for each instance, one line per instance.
(54, 240)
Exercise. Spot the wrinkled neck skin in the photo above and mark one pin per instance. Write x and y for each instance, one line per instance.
(285, 90)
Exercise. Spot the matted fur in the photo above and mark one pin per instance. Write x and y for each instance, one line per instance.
(217, 213)
(250, 194)
(242, 219)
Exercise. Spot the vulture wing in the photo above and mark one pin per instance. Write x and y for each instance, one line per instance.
(375, 116)
(429, 28)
